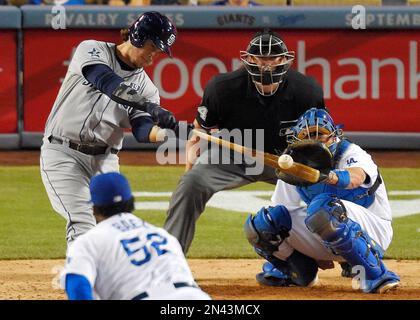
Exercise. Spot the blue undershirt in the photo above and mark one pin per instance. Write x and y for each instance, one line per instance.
(78, 287)
(106, 81)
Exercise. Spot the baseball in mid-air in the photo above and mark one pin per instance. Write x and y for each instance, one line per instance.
(285, 161)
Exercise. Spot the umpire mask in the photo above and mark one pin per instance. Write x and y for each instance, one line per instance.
(267, 61)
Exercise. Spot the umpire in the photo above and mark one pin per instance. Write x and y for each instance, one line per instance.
(264, 94)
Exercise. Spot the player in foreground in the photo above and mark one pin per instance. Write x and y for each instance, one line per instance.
(105, 91)
(123, 257)
(346, 217)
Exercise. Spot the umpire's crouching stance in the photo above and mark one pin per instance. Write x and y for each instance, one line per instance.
(264, 94)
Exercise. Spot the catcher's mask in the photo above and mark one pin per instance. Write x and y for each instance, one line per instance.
(267, 60)
(317, 124)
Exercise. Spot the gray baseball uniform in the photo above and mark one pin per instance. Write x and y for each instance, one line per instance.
(84, 132)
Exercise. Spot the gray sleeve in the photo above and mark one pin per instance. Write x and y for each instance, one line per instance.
(147, 90)
(89, 52)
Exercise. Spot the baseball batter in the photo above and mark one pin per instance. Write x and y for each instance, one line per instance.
(123, 257)
(346, 217)
(105, 91)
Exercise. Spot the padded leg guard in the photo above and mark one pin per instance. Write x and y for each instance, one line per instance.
(327, 217)
(271, 276)
(298, 269)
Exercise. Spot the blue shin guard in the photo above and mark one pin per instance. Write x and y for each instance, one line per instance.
(327, 217)
(265, 232)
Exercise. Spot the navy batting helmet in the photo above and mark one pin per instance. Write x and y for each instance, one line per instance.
(155, 27)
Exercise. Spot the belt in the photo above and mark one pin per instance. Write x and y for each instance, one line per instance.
(83, 147)
(177, 285)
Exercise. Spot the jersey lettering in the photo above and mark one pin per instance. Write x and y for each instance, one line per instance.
(143, 254)
(87, 83)
(156, 244)
(350, 161)
(126, 225)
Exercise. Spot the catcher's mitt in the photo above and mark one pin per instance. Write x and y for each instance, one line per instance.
(311, 153)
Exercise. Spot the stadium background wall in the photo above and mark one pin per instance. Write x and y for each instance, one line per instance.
(371, 77)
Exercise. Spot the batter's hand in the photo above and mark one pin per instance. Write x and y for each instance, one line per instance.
(164, 118)
(128, 94)
(191, 152)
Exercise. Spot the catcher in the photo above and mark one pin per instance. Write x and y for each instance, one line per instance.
(345, 217)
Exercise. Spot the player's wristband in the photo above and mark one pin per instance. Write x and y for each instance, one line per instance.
(343, 178)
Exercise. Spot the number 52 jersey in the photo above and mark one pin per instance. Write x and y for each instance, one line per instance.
(124, 255)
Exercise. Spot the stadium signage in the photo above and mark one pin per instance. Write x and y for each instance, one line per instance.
(389, 19)
(235, 19)
(88, 20)
(287, 20)
(193, 17)
(8, 80)
(407, 77)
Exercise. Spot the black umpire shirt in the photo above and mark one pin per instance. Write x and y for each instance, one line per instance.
(230, 101)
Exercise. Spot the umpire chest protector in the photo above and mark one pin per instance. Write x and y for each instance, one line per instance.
(230, 101)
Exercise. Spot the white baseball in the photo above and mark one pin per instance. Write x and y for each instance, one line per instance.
(285, 161)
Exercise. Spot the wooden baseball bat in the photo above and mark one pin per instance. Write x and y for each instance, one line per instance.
(297, 169)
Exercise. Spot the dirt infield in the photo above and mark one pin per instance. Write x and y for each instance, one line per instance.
(222, 279)
(388, 159)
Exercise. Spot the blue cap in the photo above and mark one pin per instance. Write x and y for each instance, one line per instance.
(109, 188)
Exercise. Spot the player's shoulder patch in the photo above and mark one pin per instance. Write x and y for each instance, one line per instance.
(355, 156)
(351, 161)
(94, 53)
(202, 111)
(92, 47)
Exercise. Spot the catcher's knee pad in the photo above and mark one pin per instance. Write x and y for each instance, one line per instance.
(326, 213)
(327, 217)
(267, 229)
